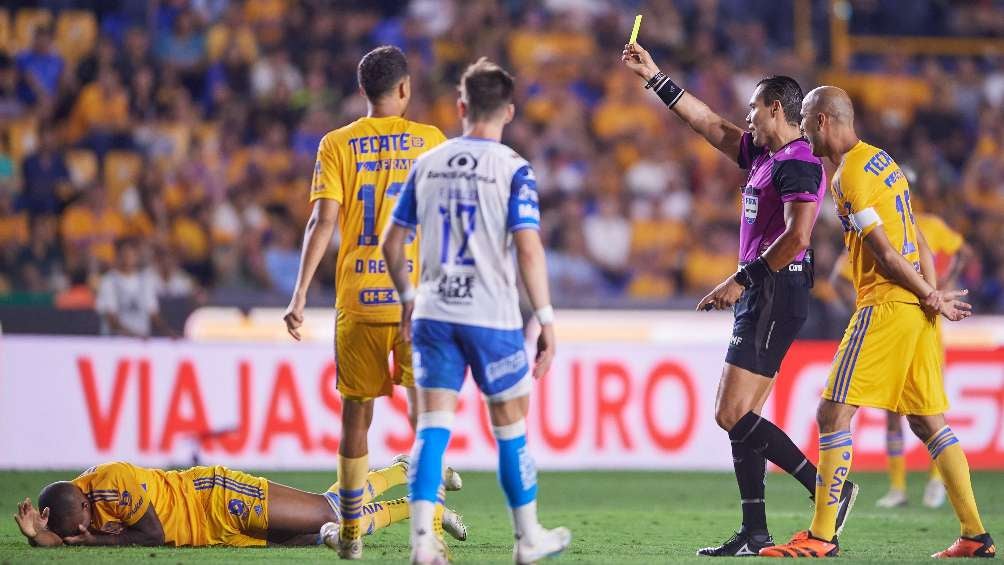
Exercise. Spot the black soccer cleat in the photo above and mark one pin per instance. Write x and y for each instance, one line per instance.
(742, 544)
(848, 494)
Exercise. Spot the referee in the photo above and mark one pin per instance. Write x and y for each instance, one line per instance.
(769, 293)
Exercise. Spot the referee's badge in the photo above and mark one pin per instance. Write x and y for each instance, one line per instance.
(751, 203)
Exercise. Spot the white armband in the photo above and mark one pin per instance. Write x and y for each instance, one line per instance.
(865, 219)
(545, 315)
(408, 295)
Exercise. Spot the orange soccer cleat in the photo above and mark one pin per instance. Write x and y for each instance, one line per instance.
(979, 546)
(802, 544)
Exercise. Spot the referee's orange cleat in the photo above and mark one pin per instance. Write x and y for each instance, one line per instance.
(979, 546)
(802, 544)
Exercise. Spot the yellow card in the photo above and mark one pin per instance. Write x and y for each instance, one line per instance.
(634, 32)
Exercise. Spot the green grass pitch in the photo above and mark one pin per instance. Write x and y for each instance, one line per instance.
(616, 517)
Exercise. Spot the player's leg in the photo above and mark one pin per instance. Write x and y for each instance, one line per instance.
(896, 462)
(925, 401)
(295, 515)
(440, 369)
(501, 369)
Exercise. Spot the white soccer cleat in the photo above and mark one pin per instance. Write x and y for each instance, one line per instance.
(454, 525)
(329, 534)
(892, 499)
(452, 480)
(402, 459)
(544, 543)
(352, 549)
(429, 550)
(934, 494)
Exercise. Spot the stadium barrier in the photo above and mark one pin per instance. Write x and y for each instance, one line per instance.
(68, 402)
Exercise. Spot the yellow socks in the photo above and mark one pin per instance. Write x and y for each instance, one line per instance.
(382, 479)
(897, 462)
(384, 513)
(835, 453)
(951, 462)
(352, 473)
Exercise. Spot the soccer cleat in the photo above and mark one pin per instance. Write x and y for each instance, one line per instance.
(351, 549)
(329, 534)
(544, 543)
(895, 498)
(934, 493)
(848, 494)
(979, 546)
(742, 544)
(454, 525)
(803, 544)
(429, 550)
(451, 478)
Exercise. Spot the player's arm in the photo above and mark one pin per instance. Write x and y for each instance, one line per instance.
(927, 269)
(840, 281)
(721, 133)
(895, 267)
(34, 525)
(316, 239)
(147, 531)
(533, 269)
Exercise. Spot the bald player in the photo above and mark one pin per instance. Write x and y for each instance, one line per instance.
(897, 305)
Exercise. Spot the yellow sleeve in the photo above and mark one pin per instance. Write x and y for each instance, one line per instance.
(116, 495)
(436, 137)
(860, 195)
(327, 181)
(940, 237)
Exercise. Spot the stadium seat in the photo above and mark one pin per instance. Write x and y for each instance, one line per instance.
(25, 22)
(122, 170)
(76, 33)
(5, 39)
(83, 165)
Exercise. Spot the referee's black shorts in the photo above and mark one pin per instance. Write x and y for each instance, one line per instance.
(768, 318)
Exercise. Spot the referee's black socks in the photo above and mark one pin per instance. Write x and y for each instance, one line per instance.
(761, 436)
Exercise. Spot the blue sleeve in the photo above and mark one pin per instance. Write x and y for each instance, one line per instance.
(524, 204)
(406, 211)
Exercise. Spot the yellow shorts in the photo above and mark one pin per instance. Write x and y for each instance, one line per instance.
(236, 506)
(362, 358)
(890, 358)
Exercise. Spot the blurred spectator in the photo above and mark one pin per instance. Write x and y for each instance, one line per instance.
(169, 280)
(608, 240)
(570, 271)
(273, 73)
(100, 118)
(282, 258)
(41, 68)
(42, 253)
(11, 105)
(127, 298)
(90, 227)
(46, 176)
(78, 295)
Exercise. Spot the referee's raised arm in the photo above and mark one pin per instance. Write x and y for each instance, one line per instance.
(721, 133)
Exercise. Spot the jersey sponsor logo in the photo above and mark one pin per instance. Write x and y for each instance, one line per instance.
(878, 163)
(384, 165)
(456, 289)
(735, 341)
(236, 507)
(463, 160)
(893, 177)
(529, 212)
(125, 499)
(462, 175)
(377, 296)
(378, 143)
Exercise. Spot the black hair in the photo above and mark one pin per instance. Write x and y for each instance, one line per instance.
(783, 89)
(63, 501)
(486, 88)
(380, 70)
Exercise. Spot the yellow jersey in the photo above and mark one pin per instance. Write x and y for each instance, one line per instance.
(121, 493)
(871, 192)
(363, 166)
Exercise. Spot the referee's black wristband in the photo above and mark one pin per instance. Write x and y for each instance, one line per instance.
(754, 272)
(668, 91)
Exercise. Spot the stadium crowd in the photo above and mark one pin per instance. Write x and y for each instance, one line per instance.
(191, 125)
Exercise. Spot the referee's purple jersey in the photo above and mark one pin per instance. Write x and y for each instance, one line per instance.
(791, 174)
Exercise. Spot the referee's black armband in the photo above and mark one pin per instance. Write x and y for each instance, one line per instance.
(754, 272)
(668, 91)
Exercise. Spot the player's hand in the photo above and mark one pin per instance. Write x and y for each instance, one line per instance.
(724, 296)
(545, 351)
(636, 58)
(85, 537)
(29, 520)
(952, 307)
(407, 309)
(294, 315)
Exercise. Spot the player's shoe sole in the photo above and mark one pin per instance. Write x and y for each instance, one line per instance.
(742, 544)
(803, 544)
(979, 546)
(848, 496)
(547, 543)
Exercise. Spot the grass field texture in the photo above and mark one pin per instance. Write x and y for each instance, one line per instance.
(616, 517)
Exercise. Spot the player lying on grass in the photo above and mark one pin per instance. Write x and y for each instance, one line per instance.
(119, 503)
